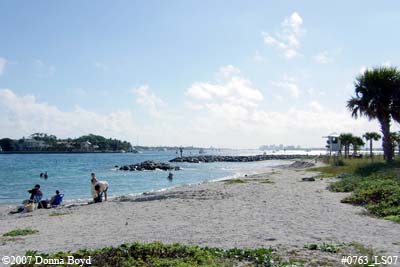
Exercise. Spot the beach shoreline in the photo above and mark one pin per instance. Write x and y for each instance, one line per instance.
(82, 200)
(270, 209)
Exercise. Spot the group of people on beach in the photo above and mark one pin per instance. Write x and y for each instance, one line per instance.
(35, 200)
(37, 195)
(98, 190)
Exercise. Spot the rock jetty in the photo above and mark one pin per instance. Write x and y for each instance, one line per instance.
(301, 164)
(215, 158)
(149, 165)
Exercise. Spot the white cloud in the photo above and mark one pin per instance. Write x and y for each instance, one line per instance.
(231, 87)
(288, 41)
(149, 100)
(323, 58)
(279, 98)
(223, 120)
(3, 63)
(326, 57)
(227, 71)
(316, 105)
(24, 115)
(314, 92)
(193, 106)
(289, 85)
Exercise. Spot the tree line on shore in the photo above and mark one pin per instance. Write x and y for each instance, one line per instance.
(348, 140)
(42, 142)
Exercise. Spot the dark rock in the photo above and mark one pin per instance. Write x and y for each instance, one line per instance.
(308, 179)
(150, 166)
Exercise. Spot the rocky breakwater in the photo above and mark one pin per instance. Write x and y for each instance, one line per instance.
(215, 158)
(149, 165)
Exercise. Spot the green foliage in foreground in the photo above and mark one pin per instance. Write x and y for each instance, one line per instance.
(395, 218)
(162, 255)
(374, 185)
(21, 232)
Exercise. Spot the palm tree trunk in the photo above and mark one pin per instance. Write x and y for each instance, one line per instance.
(370, 148)
(386, 140)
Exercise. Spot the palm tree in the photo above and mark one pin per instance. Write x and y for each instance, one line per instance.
(357, 142)
(371, 136)
(395, 137)
(346, 140)
(378, 97)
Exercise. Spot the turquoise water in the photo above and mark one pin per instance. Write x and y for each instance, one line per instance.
(70, 173)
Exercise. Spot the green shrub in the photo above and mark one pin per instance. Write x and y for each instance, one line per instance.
(162, 255)
(375, 185)
(346, 184)
(21, 232)
(381, 196)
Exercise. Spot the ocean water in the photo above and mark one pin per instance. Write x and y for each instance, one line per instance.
(70, 173)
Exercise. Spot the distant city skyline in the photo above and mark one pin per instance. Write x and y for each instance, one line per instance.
(228, 74)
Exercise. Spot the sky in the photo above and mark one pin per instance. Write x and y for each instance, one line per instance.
(237, 74)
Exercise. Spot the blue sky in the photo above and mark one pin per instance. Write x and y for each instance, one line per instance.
(221, 73)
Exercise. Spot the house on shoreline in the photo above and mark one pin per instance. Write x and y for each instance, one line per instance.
(32, 145)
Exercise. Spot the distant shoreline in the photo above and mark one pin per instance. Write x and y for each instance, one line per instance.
(61, 152)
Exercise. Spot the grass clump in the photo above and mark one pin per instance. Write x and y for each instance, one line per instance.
(21, 232)
(394, 218)
(324, 247)
(374, 185)
(158, 254)
(235, 181)
(349, 166)
(266, 181)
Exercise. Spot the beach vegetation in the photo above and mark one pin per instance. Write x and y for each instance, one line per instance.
(266, 181)
(158, 254)
(345, 167)
(377, 96)
(374, 185)
(21, 232)
(394, 218)
(235, 181)
(324, 247)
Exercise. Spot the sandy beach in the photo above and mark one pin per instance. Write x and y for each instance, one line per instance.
(274, 208)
